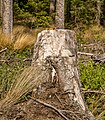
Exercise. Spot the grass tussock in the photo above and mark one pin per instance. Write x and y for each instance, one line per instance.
(23, 41)
(94, 33)
(20, 39)
(24, 37)
(5, 40)
(30, 77)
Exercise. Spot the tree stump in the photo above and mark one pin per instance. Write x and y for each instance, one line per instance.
(56, 49)
(54, 62)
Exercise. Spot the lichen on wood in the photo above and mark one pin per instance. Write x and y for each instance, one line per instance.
(57, 50)
(59, 47)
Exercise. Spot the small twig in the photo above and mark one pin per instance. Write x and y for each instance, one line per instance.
(74, 113)
(16, 59)
(27, 59)
(52, 107)
(93, 91)
(2, 60)
(57, 110)
(87, 54)
(3, 50)
(58, 98)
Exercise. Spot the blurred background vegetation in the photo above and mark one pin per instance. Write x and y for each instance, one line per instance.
(35, 13)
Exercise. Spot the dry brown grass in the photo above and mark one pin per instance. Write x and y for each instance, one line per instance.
(30, 77)
(94, 33)
(24, 37)
(24, 40)
(5, 40)
(21, 37)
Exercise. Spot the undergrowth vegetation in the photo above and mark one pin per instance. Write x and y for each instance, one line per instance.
(92, 76)
(12, 63)
(93, 82)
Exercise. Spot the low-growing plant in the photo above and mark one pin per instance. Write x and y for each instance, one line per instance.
(92, 76)
(93, 79)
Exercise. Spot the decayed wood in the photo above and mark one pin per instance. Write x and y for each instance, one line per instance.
(57, 49)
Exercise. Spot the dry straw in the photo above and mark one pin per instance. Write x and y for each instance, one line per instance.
(31, 77)
(20, 39)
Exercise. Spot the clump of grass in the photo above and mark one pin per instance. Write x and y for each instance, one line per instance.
(24, 37)
(11, 65)
(5, 40)
(23, 41)
(30, 77)
(21, 38)
(94, 33)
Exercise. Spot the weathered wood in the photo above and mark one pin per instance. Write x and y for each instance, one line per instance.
(100, 58)
(57, 49)
(97, 58)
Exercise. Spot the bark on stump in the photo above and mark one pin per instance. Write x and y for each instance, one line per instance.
(57, 50)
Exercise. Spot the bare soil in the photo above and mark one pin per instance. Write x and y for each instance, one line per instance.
(59, 106)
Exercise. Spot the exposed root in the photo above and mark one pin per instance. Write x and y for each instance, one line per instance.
(60, 112)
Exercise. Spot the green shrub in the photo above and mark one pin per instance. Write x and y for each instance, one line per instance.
(92, 76)
(34, 13)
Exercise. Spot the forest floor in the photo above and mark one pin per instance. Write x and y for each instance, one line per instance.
(52, 104)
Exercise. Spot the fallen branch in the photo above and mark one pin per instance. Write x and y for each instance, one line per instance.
(3, 50)
(50, 106)
(93, 91)
(60, 112)
(97, 58)
(27, 59)
(87, 54)
(16, 60)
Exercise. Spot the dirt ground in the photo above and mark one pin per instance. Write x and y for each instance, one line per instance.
(52, 104)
